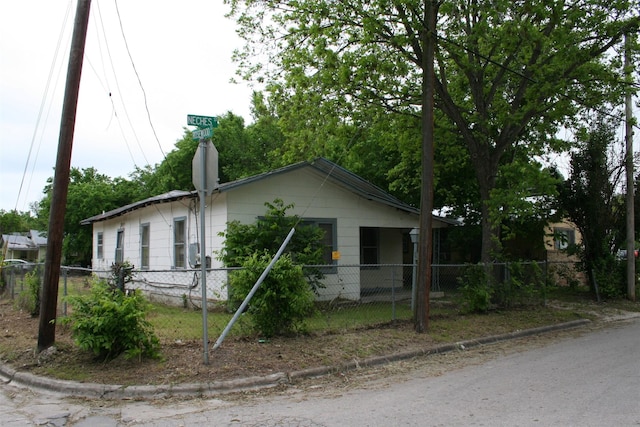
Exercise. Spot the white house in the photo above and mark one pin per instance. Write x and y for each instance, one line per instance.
(363, 224)
(31, 246)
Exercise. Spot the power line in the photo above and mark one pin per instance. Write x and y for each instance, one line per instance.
(43, 102)
(124, 106)
(146, 105)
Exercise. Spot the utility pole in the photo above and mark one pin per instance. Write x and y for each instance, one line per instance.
(49, 298)
(425, 246)
(631, 235)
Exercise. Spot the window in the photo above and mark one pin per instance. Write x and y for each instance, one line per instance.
(369, 245)
(179, 243)
(99, 252)
(120, 246)
(329, 241)
(144, 246)
(563, 237)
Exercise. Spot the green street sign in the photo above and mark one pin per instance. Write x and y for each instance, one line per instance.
(202, 121)
(202, 133)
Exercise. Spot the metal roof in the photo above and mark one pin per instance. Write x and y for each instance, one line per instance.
(325, 168)
(161, 198)
(22, 242)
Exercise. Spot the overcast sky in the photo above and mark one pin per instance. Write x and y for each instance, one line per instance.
(180, 49)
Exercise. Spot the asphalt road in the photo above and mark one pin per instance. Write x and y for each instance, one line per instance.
(579, 379)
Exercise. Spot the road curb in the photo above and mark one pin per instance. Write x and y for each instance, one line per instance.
(207, 389)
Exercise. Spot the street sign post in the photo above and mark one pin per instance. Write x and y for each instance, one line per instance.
(206, 157)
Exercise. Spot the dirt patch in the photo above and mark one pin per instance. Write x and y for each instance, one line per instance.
(183, 362)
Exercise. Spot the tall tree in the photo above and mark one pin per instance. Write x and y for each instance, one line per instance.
(89, 193)
(14, 221)
(508, 74)
(590, 200)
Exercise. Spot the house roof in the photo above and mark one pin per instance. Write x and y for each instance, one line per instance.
(171, 196)
(21, 242)
(329, 170)
(38, 238)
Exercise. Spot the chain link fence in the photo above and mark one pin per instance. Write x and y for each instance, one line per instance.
(351, 296)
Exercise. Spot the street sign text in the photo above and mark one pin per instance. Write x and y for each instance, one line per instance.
(202, 121)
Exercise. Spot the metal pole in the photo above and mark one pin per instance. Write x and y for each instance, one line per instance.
(203, 258)
(414, 272)
(254, 289)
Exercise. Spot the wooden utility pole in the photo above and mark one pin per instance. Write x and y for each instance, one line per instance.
(425, 246)
(631, 234)
(49, 297)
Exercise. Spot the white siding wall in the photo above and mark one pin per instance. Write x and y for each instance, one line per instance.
(315, 197)
(160, 218)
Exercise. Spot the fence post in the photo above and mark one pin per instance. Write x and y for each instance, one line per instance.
(65, 273)
(393, 293)
(12, 283)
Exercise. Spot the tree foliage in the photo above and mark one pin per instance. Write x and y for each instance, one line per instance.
(266, 235)
(590, 199)
(286, 295)
(508, 74)
(18, 222)
(89, 193)
(284, 299)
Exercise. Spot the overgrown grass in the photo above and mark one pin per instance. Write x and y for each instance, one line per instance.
(446, 322)
(356, 316)
(183, 324)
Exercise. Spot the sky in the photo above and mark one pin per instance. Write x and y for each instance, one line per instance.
(133, 104)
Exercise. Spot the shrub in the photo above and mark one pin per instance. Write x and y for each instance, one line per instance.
(481, 290)
(476, 290)
(109, 322)
(121, 274)
(518, 286)
(306, 246)
(283, 300)
(610, 277)
(29, 298)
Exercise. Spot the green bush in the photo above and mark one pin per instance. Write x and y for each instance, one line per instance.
(109, 322)
(283, 300)
(29, 298)
(518, 287)
(481, 289)
(611, 277)
(476, 290)
(306, 246)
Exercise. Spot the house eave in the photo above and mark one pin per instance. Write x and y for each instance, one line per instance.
(171, 196)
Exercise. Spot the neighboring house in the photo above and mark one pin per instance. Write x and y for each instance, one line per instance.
(363, 224)
(559, 236)
(31, 246)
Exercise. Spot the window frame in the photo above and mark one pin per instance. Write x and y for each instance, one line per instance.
(570, 237)
(145, 246)
(332, 246)
(119, 251)
(180, 244)
(100, 245)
